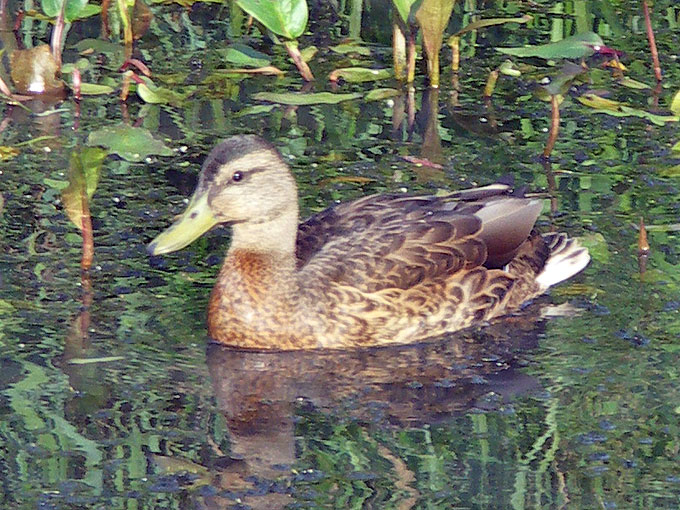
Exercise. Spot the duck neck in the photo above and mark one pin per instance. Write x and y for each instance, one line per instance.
(268, 236)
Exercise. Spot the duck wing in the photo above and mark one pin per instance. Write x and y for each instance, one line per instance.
(399, 241)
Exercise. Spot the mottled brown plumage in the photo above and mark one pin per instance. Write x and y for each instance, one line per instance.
(384, 269)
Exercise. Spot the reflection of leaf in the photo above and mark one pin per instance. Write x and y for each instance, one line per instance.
(675, 103)
(597, 246)
(633, 84)
(84, 171)
(618, 109)
(113, 51)
(244, 56)
(676, 147)
(255, 110)
(345, 49)
(287, 18)
(380, 94)
(359, 74)
(672, 171)
(483, 23)
(576, 46)
(174, 465)
(291, 98)
(8, 152)
(560, 84)
(130, 143)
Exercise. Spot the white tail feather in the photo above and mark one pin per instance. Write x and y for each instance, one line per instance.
(567, 257)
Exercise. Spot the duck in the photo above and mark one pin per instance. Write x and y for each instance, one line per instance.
(381, 270)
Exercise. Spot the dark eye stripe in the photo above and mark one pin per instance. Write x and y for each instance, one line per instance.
(240, 175)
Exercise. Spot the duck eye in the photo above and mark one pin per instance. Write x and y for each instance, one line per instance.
(238, 176)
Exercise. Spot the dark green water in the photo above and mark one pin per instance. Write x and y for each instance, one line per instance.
(569, 412)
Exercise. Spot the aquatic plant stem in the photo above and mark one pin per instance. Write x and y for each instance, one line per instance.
(294, 52)
(398, 48)
(643, 247)
(554, 126)
(56, 42)
(454, 43)
(491, 83)
(411, 58)
(127, 27)
(652, 41)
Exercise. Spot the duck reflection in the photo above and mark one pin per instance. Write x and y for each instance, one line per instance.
(260, 393)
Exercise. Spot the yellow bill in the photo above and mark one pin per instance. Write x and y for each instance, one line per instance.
(195, 221)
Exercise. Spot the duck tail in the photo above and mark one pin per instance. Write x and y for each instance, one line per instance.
(567, 258)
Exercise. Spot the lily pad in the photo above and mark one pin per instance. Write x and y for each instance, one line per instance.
(576, 46)
(292, 98)
(130, 143)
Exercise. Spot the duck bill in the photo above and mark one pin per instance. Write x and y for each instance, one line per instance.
(195, 221)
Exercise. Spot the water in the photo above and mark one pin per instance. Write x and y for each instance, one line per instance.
(109, 398)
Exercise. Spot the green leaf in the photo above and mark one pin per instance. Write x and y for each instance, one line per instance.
(94, 89)
(576, 46)
(130, 143)
(292, 98)
(153, 94)
(618, 109)
(51, 7)
(245, 56)
(404, 8)
(72, 8)
(433, 17)
(287, 18)
(89, 361)
(359, 74)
